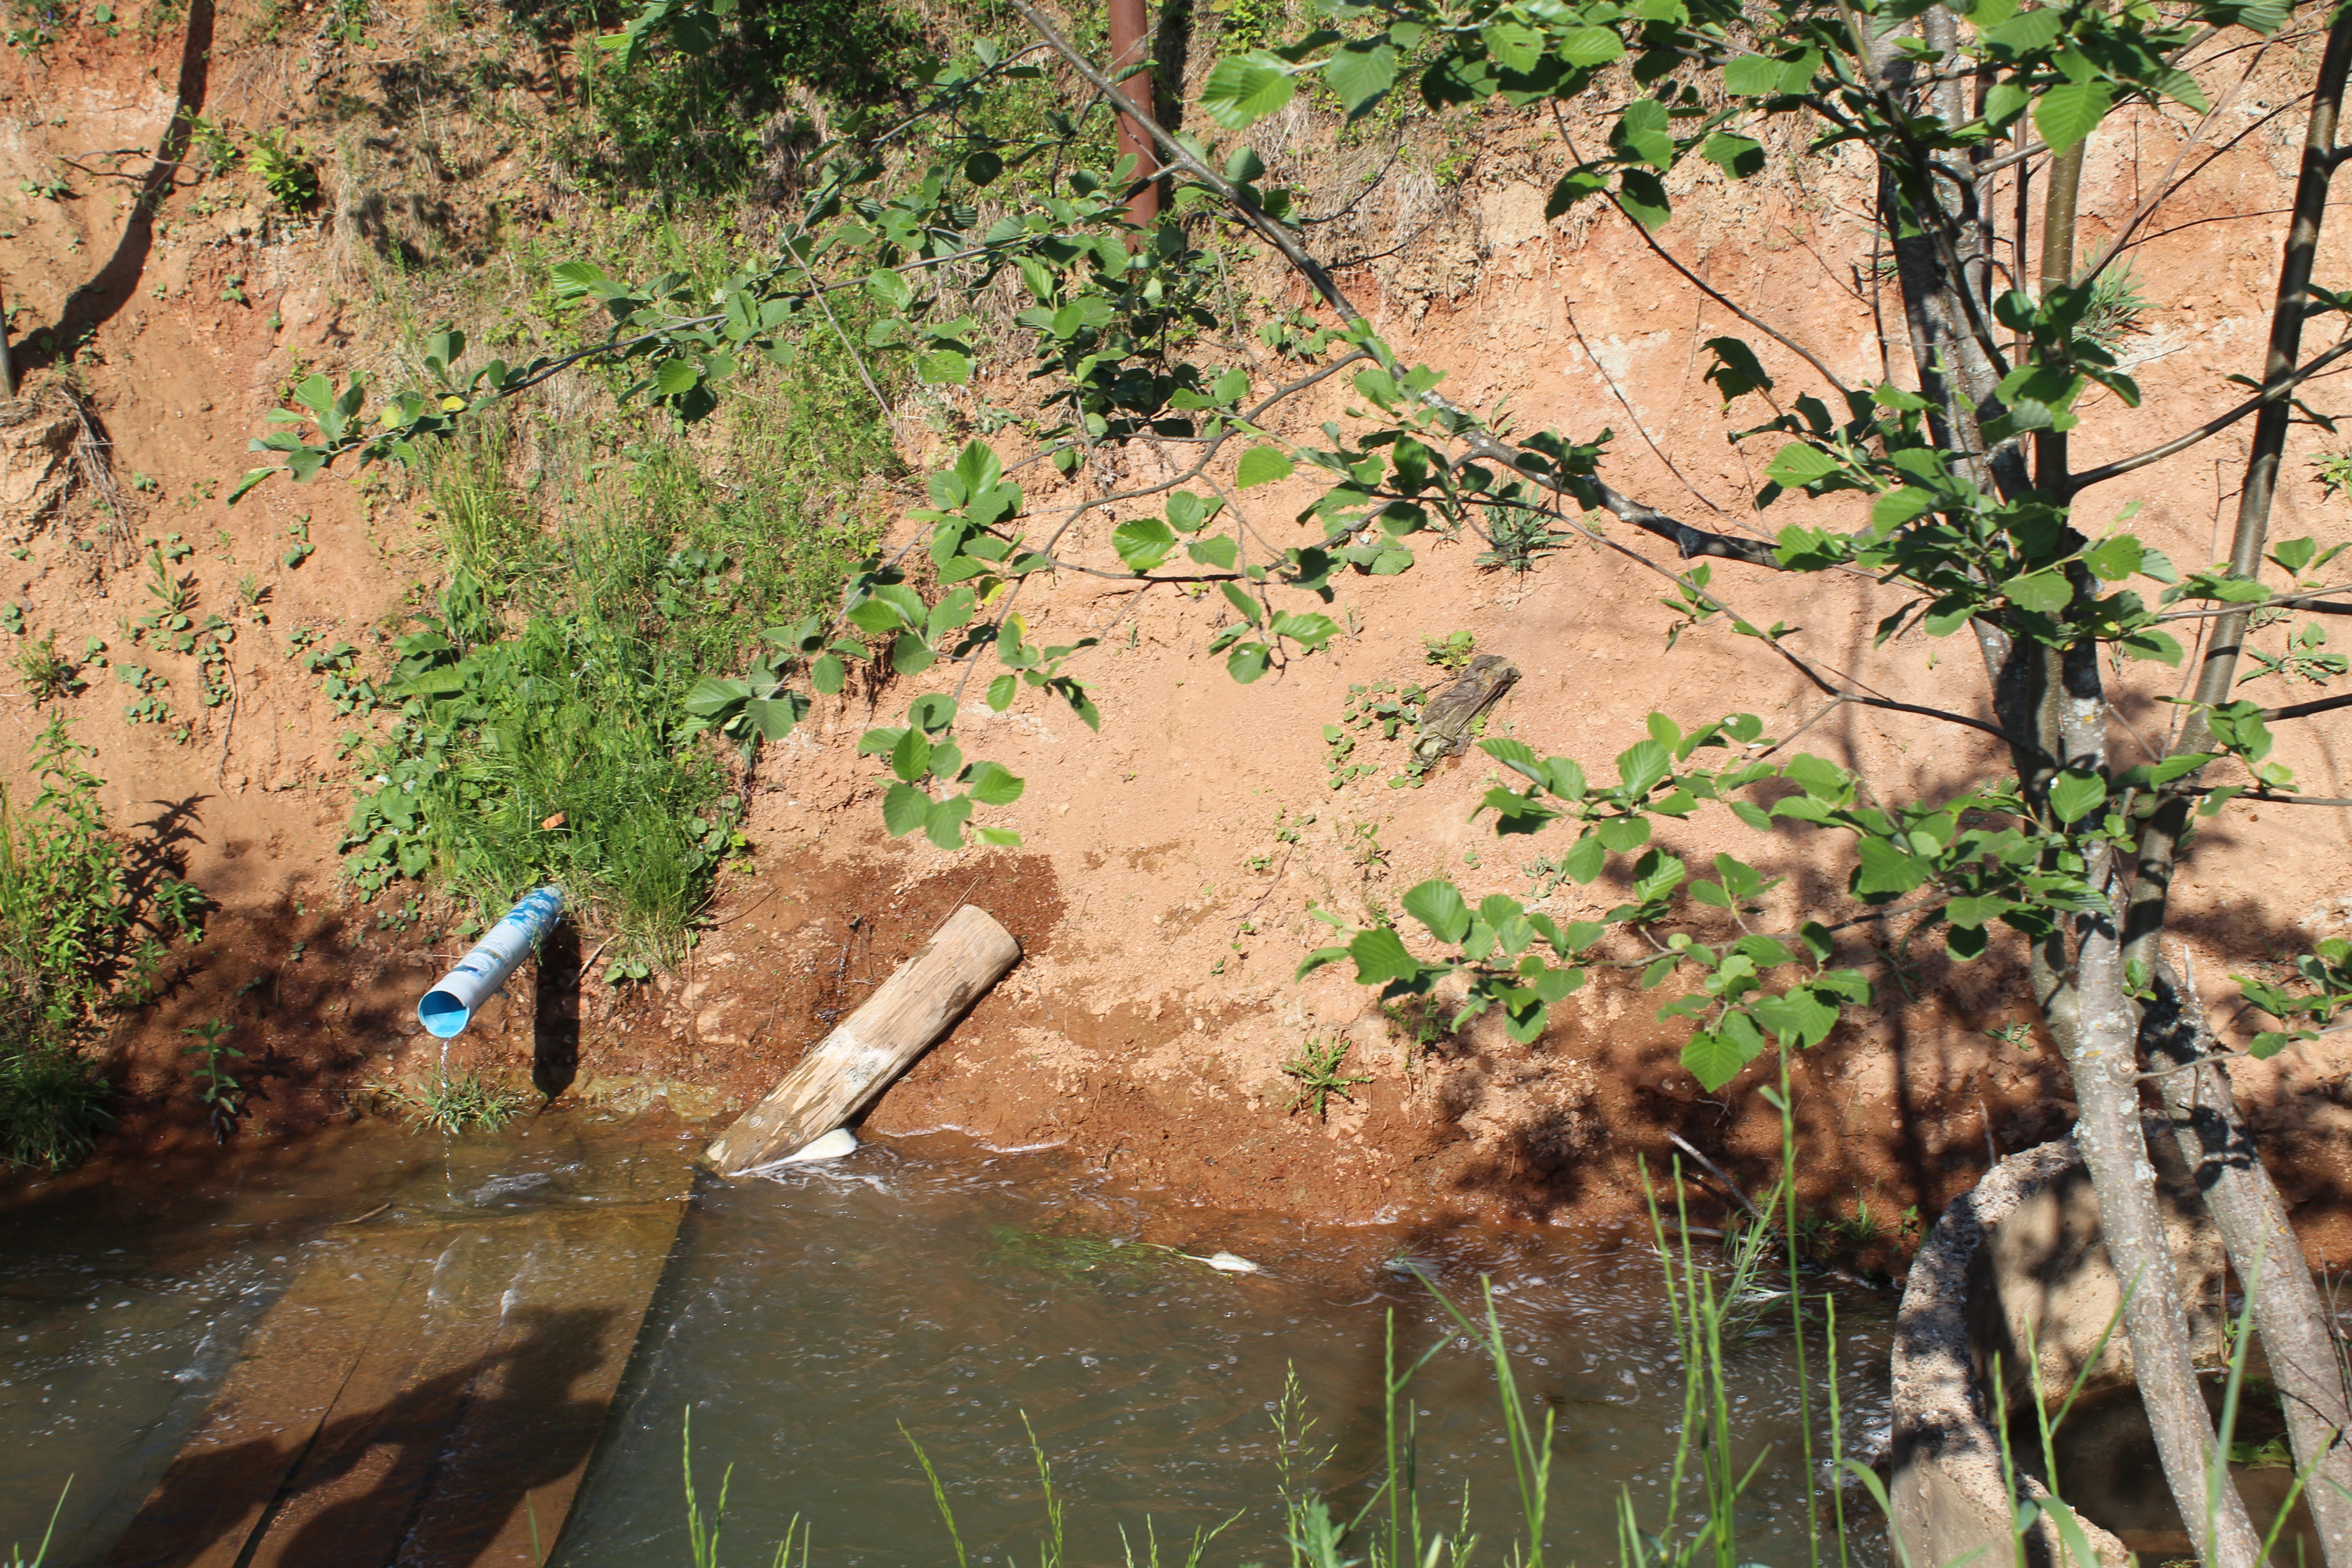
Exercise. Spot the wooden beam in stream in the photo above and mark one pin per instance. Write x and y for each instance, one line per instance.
(850, 1067)
(422, 1397)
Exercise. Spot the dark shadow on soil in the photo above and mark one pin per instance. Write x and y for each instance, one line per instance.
(555, 1016)
(114, 284)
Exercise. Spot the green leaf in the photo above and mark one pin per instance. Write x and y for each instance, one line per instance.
(1360, 73)
(944, 367)
(1885, 871)
(991, 784)
(828, 673)
(1249, 661)
(1587, 47)
(2070, 112)
(2075, 794)
(1438, 905)
(1712, 1059)
(2113, 559)
(1263, 466)
(1643, 128)
(1238, 597)
(944, 824)
(1221, 551)
(2044, 592)
(1643, 766)
(904, 809)
(1380, 957)
(1000, 691)
(1797, 464)
(1143, 543)
(1306, 628)
(910, 654)
(1741, 157)
(1243, 89)
(774, 717)
(1622, 834)
(1584, 860)
(910, 759)
(674, 378)
(712, 696)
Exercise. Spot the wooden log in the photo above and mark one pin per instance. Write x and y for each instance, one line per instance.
(850, 1067)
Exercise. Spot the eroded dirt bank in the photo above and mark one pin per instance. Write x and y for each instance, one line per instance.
(1166, 888)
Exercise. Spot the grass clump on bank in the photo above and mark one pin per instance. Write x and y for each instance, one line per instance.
(542, 732)
(65, 911)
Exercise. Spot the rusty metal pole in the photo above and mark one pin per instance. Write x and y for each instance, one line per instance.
(1129, 48)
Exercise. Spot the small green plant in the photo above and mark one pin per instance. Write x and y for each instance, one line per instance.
(12, 618)
(292, 180)
(1515, 537)
(1316, 1069)
(216, 1087)
(454, 1104)
(2015, 1035)
(302, 549)
(2117, 309)
(2303, 660)
(211, 146)
(182, 906)
(1451, 653)
(147, 705)
(48, 676)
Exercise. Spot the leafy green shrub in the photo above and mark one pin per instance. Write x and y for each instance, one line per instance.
(292, 178)
(558, 753)
(65, 910)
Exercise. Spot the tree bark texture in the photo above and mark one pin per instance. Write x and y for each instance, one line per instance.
(2251, 1218)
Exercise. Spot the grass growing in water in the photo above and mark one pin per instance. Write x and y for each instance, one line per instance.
(455, 1104)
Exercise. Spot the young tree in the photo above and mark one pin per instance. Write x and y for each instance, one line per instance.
(1963, 497)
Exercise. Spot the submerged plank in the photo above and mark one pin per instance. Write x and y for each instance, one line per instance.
(424, 1396)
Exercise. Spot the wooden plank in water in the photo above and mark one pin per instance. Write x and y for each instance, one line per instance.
(424, 1396)
(290, 1373)
(850, 1067)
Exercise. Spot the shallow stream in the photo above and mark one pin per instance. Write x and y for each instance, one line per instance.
(929, 1286)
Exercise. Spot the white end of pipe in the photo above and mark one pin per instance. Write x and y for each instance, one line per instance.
(449, 1006)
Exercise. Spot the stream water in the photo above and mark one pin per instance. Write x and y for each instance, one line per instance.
(928, 1290)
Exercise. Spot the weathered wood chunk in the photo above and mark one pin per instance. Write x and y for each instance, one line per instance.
(849, 1068)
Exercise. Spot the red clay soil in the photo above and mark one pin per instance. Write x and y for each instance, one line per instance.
(1172, 865)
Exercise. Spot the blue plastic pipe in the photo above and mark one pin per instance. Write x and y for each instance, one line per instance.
(449, 1006)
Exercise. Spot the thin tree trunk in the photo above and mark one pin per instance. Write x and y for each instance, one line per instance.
(2247, 1210)
(2297, 1335)
(2055, 696)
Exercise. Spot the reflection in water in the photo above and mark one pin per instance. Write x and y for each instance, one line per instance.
(805, 1319)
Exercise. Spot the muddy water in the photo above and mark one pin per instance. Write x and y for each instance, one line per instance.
(927, 1284)
(805, 1320)
(126, 1294)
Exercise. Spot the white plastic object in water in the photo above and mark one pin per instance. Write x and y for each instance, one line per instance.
(1226, 1263)
(450, 1005)
(832, 1145)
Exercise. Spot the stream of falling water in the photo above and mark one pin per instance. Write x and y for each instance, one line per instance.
(928, 1286)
